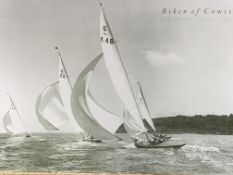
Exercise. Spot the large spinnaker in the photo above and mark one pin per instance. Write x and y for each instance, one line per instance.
(144, 110)
(50, 110)
(80, 108)
(105, 118)
(117, 71)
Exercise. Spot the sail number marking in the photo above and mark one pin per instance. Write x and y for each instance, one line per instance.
(62, 75)
(106, 39)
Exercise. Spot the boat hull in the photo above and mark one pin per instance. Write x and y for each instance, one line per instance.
(148, 145)
(92, 140)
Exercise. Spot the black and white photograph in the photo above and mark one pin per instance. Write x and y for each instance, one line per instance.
(116, 86)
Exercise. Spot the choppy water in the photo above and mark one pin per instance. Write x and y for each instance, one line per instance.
(203, 154)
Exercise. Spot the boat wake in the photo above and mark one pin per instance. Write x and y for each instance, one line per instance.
(203, 154)
(198, 148)
(131, 145)
(86, 143)
(175, 138)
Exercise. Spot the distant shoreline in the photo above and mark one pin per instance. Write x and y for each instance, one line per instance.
(197, 124)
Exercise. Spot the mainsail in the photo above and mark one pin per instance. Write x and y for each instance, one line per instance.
(144, 110)
(12, 121)
(65, 91)
(117, 71)
(80, 107)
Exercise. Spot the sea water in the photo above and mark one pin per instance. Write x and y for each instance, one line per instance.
(202, 154)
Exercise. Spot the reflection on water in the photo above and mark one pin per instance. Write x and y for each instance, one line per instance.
(203, 154)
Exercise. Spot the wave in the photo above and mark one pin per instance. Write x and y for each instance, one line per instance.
(175, 138)
(131, 145)
(195, 148)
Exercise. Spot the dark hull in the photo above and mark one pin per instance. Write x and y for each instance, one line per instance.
(92, 140)
(146, 145)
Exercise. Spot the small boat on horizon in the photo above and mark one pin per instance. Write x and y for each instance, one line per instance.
(12, 121)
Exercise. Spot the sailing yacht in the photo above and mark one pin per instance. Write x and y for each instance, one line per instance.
(54, 109)
(53, 103)
(96, 121)
(134, 112)
(12, 121)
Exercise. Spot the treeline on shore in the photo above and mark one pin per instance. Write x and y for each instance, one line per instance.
(200, 124)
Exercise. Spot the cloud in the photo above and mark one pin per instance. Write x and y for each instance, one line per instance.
(161, 59)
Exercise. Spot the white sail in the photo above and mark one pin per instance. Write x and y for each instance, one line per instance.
(12, 121)
(130, 125)
(105, 118)
(4, 122)
(65, 90)
(53, 106)
(8, 126)
(144, 108)
(117, 71)
(50, 110)
(80, 108)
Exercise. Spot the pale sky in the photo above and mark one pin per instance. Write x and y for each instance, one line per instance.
(184, 62)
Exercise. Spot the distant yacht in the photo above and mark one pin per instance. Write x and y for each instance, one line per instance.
(12, 121)
(53, 103)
